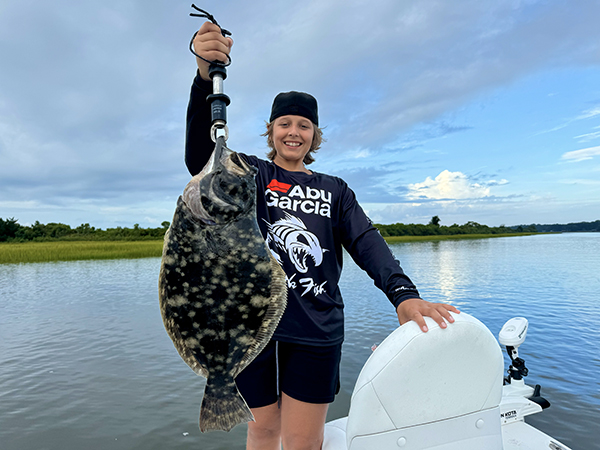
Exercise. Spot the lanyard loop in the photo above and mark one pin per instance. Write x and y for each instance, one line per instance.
(224, 32)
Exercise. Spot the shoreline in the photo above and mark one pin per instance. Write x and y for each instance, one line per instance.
(445, 237)
(53, 251)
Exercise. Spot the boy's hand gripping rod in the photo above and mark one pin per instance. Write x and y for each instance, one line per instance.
(217, 72)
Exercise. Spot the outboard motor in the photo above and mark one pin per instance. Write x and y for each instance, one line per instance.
(441, 389)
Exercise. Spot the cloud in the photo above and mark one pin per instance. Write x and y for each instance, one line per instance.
(581, 155)
(491, 211)
(375, 184)
(410, 63)
(587, 114)
(94, 94)
(446, 186)
(587, 137)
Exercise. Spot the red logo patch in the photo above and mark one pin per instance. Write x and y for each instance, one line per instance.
(275, 185)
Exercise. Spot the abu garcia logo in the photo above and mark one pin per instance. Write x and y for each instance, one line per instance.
(298, 198)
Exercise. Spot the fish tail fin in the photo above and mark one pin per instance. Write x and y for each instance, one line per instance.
(223, 408)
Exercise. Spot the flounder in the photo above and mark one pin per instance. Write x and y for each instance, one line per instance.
(221, 292)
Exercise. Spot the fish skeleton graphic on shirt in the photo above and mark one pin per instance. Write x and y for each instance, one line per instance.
(291, 235)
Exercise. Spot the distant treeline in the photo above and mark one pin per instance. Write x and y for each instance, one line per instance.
(569, 227)
(434, 228)
(12, 231)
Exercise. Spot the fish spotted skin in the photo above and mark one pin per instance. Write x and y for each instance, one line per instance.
(221, 292)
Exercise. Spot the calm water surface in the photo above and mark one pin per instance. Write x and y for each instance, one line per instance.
(85, 362)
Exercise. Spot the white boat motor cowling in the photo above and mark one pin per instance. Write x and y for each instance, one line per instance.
(437, 390)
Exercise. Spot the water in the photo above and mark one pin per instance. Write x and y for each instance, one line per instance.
(85, 362)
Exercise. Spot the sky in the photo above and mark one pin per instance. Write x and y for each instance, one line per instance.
(471, 110)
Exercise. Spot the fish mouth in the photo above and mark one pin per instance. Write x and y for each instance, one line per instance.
(235, 165)
(223, 189)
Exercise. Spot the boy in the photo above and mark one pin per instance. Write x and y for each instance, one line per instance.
(306, 218)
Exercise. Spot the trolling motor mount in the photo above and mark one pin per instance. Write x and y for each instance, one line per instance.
(517, 369)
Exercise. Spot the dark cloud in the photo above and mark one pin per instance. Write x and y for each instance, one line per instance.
(93, 94)
(380, 185)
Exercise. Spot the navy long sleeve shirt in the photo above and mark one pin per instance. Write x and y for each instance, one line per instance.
(306, 220)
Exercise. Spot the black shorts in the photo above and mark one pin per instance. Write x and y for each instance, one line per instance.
(307, 373)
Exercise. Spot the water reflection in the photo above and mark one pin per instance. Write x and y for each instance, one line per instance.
(551, 279)
(85, 361)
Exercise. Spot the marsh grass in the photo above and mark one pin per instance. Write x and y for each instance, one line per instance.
(30, 252)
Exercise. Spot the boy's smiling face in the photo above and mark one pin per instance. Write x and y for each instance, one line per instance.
(292, 139)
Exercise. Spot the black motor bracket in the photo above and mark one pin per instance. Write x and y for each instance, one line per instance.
(517, 369)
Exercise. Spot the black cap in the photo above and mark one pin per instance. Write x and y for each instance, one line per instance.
(295, 104)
